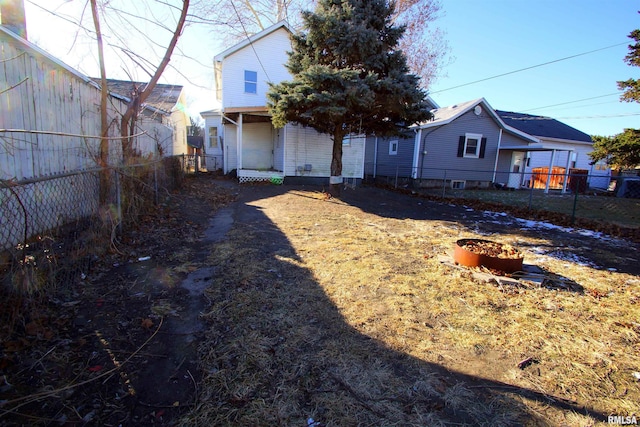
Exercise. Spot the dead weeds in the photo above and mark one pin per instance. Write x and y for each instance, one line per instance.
(348, 317)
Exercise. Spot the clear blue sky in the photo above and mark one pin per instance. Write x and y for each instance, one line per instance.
(493, 37)
(487, 38)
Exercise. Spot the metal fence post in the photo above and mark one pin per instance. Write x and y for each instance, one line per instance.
(155, 183)
(444, 184)
(119, 200)
(575, 204)
(531, 195)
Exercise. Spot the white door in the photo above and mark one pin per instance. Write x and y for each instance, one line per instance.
(517, 167)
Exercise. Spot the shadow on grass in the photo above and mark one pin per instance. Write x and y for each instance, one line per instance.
(279, 352)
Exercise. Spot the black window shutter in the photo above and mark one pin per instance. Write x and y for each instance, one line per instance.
(461, 146)
(483, 147)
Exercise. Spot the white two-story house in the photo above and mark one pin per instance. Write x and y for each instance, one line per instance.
(241, 129)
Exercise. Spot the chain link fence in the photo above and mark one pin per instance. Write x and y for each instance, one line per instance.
(614, 201)
(52, 228)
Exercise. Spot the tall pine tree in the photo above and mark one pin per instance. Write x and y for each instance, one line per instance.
(348, 76)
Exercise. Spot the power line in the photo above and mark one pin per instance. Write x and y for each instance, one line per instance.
(250, 41)
(571, 102)
(603, 116)
(529, 68)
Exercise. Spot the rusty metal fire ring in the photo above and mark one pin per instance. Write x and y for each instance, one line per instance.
(469, 258)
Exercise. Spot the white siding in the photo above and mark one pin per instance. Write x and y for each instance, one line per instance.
(267, 57)
(279, 150)
(230, 148)
(307, 146)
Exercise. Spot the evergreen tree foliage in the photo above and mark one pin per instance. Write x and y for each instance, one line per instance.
(620, 151)
(631, 87)
(348, 75)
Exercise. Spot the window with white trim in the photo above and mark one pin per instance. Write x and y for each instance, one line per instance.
(472, 144)
(393, 147)
(250, 81)
(213, 137)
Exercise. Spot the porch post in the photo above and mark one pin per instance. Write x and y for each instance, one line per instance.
(239, 143)
(553, 158)
(566, 170)
(284, 150)
(495, 165)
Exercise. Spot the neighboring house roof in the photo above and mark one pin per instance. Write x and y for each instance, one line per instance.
(445, 115)
(433, 103)
(233, 49)
(543, 127)
(195, 141)
(164, 97)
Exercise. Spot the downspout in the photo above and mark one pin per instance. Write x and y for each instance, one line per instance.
(239, 144)
(495, 166)
(416, 152)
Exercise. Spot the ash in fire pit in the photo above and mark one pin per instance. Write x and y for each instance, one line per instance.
(489, 254)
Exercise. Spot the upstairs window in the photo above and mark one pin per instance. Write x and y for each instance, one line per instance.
(472, 145)
(250, 81)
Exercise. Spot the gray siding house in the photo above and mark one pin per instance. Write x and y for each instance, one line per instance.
(392, 157)
(459, 147)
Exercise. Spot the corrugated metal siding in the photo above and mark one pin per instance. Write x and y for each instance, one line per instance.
(442, 145)
(272, 51)
(307, 146)
(48, 97)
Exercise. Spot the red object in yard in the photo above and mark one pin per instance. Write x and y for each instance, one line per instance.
(469, 258)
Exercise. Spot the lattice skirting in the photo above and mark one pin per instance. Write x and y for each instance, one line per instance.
(247, 176)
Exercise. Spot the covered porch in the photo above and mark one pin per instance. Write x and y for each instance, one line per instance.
(555, 177)
(253, 146)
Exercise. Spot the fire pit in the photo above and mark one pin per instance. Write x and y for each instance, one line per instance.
(489, 254)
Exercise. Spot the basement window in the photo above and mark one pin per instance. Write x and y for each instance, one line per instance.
(457, 184)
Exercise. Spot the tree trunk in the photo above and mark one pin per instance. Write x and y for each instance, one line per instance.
(335, 181)
(103, 158)
(140, 97)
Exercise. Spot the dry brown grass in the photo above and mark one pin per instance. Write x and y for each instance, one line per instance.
(349, 318)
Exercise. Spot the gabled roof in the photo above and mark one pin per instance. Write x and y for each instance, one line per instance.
(543, 127)
(233, 49)
(445, 115)
(164, 97)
